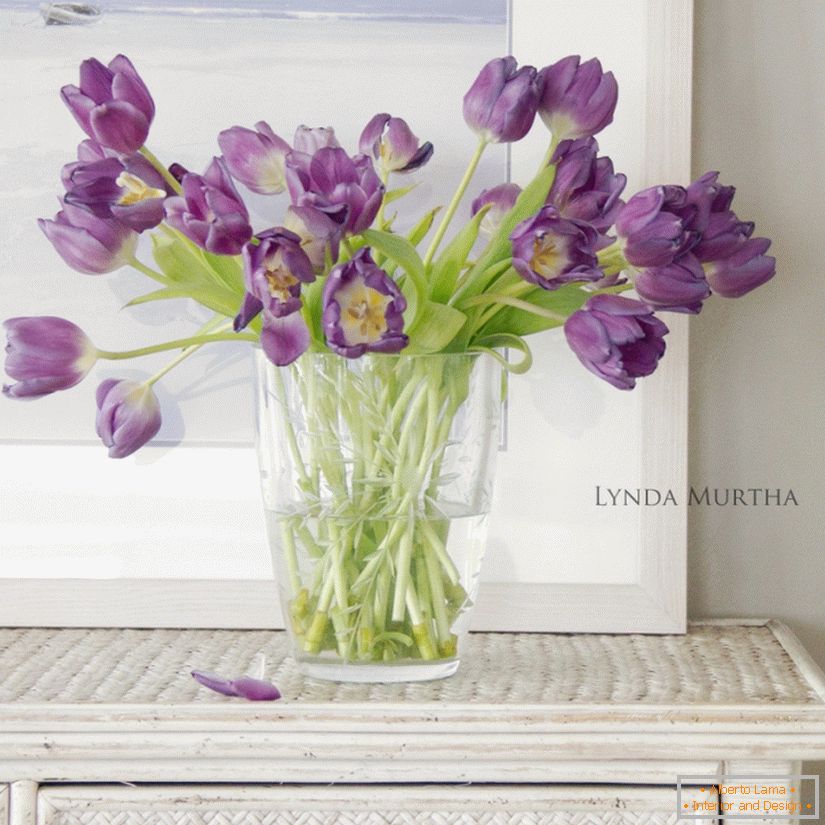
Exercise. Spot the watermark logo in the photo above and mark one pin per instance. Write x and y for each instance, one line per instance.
(768, 796)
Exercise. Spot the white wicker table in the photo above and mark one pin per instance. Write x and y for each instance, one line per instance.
(548, 728)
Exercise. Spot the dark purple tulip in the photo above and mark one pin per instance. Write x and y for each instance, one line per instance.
(744, 270)
(551, 251)
(618, 339)
(500, 106)
(284, 339)
(677, 287)
(576, 99)
(87, 243)
(723, 235)
(256, 690)
(255, 157)
(346, 189)
(128, 415)
(363, 309)
(502, 199)
(112, 104)
(211, 212)
(45, 354)
(390, 142)
(274, 270)
(652, 235)
(309, 140)
(130, 190)
(585, 186)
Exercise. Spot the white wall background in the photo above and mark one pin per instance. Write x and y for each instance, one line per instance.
(759, 117)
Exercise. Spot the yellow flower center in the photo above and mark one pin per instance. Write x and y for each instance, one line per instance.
(547, 258)
(363, 308)
(280, 279)
(135, 190)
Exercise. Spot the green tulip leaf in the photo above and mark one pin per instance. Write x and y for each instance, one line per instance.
(450, 262)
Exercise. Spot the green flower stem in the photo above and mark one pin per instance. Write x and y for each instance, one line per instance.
(179, 343)
(379, 218)
(548, 155)
(167, 175)
(291, 557)
(506, 300)
(147, 270)
(519, 288)
(292, 441)
(451, 209)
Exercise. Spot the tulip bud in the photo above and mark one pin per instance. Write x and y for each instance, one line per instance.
(618, 339)
(128, 415)
(576, 100)
(45, 354)
(501, 104)
(310, 140)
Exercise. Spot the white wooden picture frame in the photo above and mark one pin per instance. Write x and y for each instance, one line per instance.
(77, 503)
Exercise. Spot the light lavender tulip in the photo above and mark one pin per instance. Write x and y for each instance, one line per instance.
(618, 339)
(128, 415)
(500, 106)
(309, 140)
(88, 243)
(256, 690)
(680, 286)
(255, 157)
(130, 190)
(211, 212)
(576, 99)
(501, 199)
(390, 142)
(551, 251)
(346, 189)
(45, 354)
(744, 270)
(363, 309)
(112, 104)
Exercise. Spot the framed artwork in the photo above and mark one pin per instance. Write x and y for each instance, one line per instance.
(174, 536)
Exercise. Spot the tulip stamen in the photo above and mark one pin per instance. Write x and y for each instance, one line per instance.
(135, 190)
(280, 282)
(547, 257)
(364, 319)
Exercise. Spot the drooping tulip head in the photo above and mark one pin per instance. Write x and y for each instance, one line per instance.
(389, 141)
(128, 415)
(680, 286)
(45, 354)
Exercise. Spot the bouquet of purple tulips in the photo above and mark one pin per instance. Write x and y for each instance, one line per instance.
(333, 275)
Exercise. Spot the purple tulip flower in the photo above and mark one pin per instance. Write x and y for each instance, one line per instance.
(309, 140)
(576, 99)
(87, 243)
(390, 142)
(618, 339)
(586, 187)
(274, 270)
(317, 232)
(128, 415)
(256, 690)
(363, 309)
(130, 190)
(651, 231)
(284, 339)
(256, 157)
(211, 212)
(742, 271)
(680, 286)
(502, 199)
(500, 106)
(45, 354)
(346, 189)
(112, 104)
(551, 251)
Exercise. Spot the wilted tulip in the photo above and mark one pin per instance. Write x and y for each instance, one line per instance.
(551, 251)
(112, 104)
(255, 157)
(45, 354)
(391, 143)
(88, 243)
(576, 99)
(363, 309)
(744, 270)
(501, 104)
(128, 415)
(618, 339)
(211, 212)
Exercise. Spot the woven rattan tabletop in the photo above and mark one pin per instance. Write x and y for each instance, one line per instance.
(725, 664)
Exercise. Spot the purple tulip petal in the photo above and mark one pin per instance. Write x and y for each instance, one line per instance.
(120, 125)
(285, 339)
(256, 690)
(215, 682)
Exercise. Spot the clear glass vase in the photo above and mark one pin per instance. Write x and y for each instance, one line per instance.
(377, 477)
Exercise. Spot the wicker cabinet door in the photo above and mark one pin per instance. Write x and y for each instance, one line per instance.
(356, 805)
